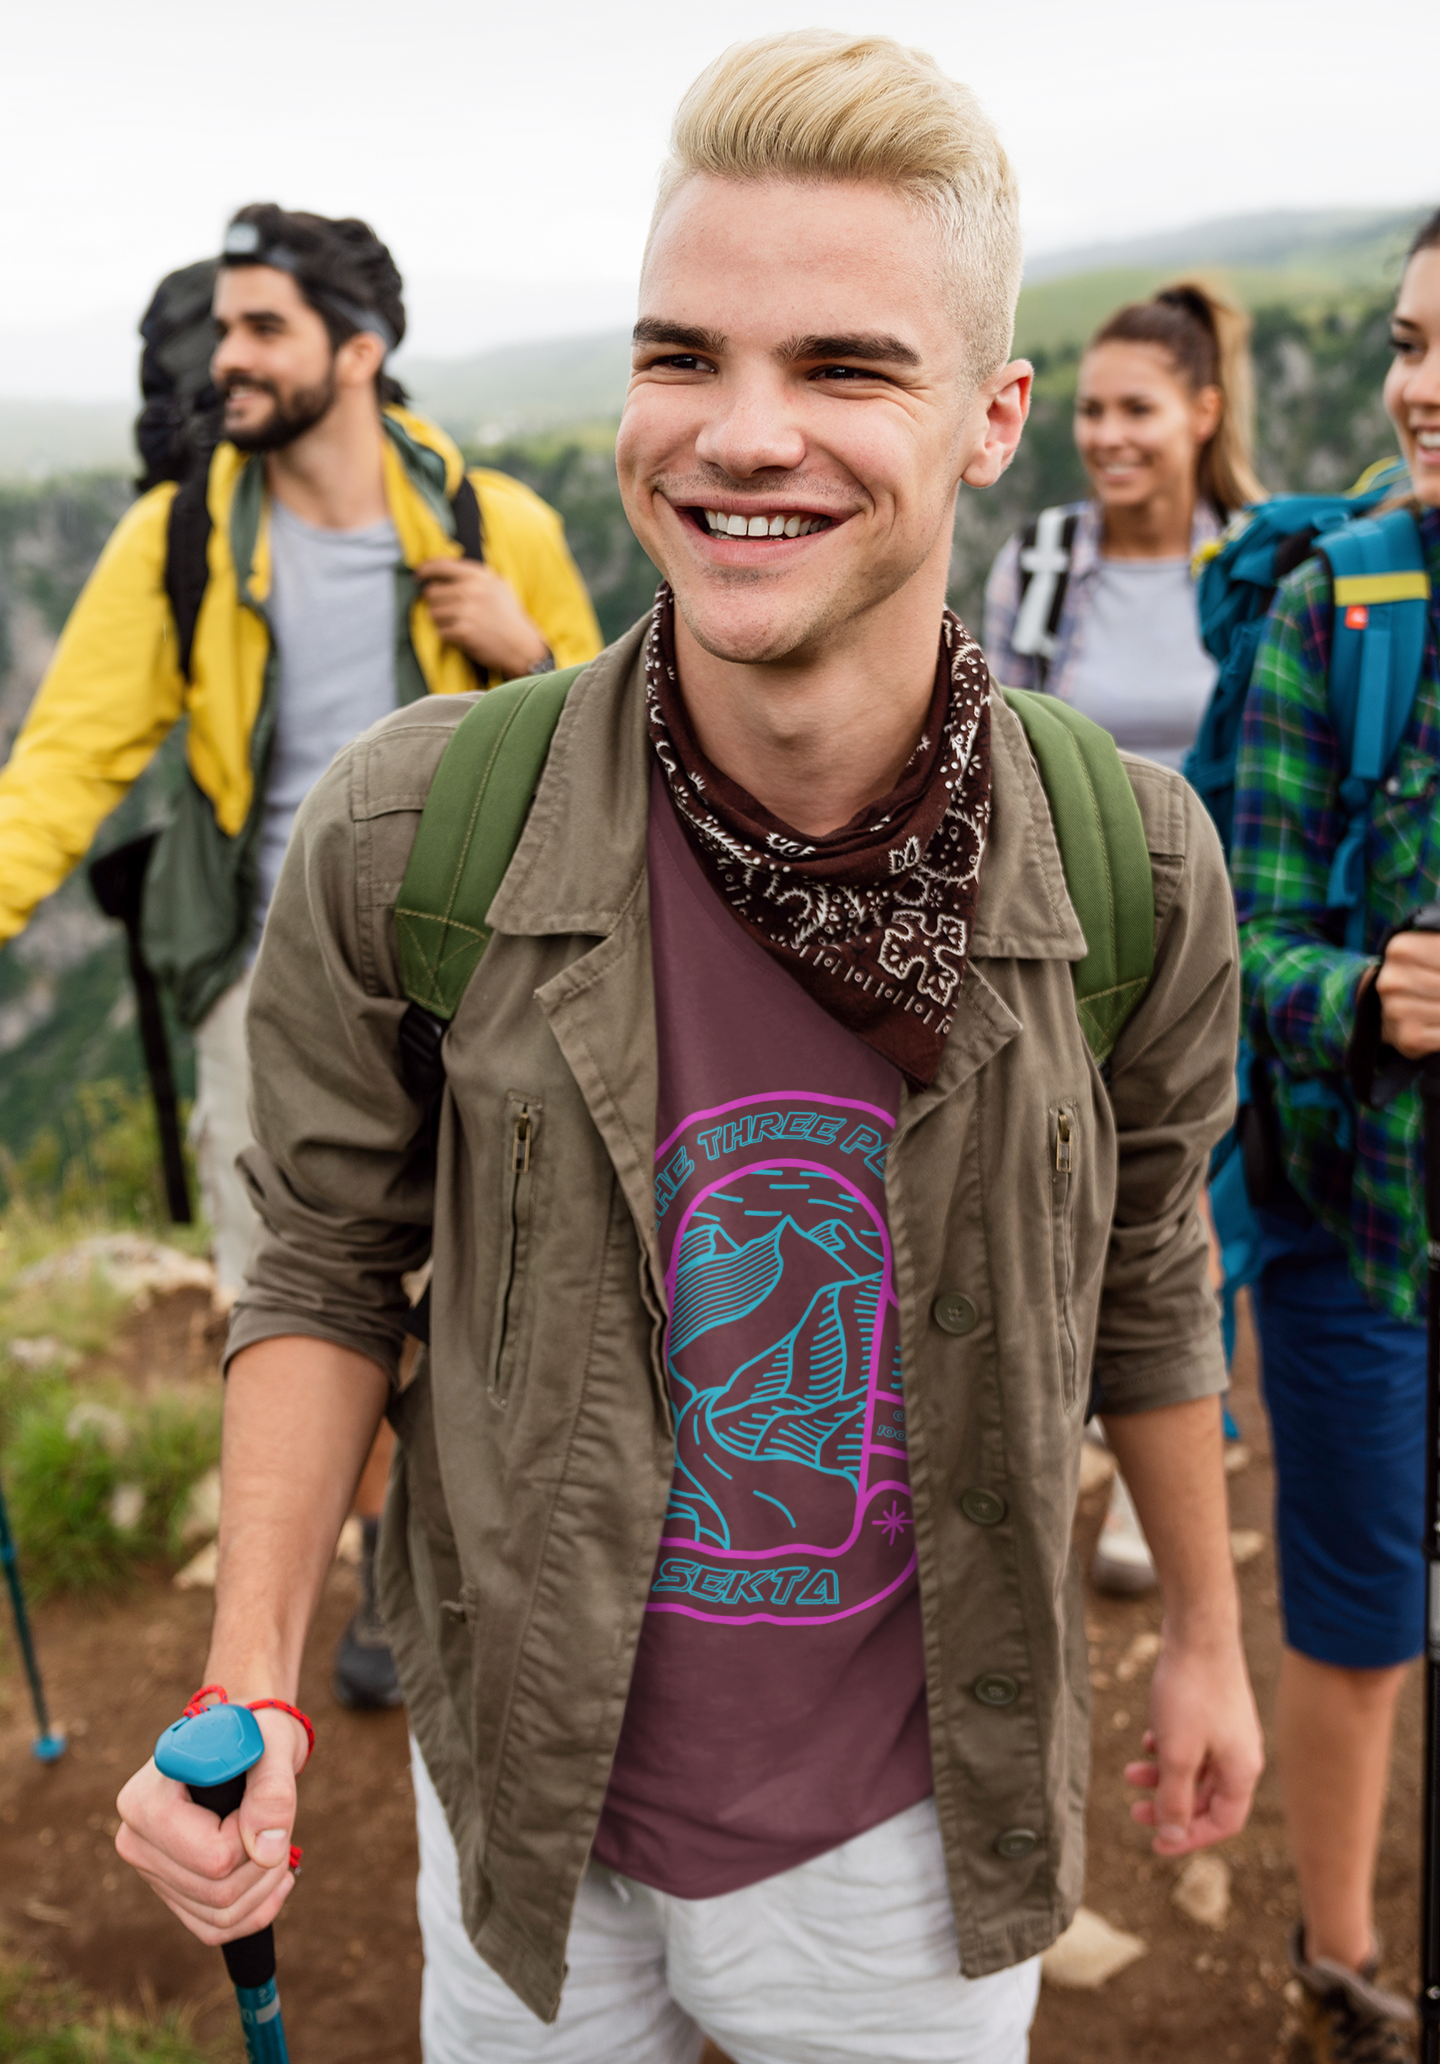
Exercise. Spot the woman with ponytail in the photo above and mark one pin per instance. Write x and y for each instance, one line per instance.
(1094, 602)
(1164, 411)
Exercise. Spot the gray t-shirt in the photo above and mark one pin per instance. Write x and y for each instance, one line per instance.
(1141, 670)
(332, 610)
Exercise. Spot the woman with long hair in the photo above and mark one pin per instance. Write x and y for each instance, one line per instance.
(1340, 1303)
(1093, 602)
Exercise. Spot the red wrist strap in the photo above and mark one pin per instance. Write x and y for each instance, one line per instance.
(222, 1697)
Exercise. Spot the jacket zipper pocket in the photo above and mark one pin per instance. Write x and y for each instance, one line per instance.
(517, 1198)
(1064, 1146)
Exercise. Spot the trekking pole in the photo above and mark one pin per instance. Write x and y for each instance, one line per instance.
(48, 1745)
(209, 1753)
(1428, 920)
(118, 879)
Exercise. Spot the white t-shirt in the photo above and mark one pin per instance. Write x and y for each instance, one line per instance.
(332, 611)
(1141, 670)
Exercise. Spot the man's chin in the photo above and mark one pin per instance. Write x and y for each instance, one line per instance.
(743, 631)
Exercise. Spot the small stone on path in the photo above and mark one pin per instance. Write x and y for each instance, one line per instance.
(199, 1573)
(137, 1268)
(201, 1521)
(42, 1353)
(1097, 1466)
(1245, 1544)
(1202, 1890)
(1142, 1650)
(1089, 1952)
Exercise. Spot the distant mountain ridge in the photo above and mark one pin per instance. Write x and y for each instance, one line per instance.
(1270, 258)
(1348, 241)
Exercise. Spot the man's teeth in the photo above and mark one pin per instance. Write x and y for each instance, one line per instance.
(1428, 440)
(721, 525)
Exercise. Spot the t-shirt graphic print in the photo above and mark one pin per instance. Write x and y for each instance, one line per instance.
(791, 1501)
(777, 1704)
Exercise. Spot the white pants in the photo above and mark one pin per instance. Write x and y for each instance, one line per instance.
(852, 1956)
(220, 1128)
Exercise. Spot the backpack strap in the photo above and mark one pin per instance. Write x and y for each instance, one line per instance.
(1046, 545)
(187, 558)
(187, 549)
(1106, 858)
(1381, 594)
(469, 524)
(469, 829)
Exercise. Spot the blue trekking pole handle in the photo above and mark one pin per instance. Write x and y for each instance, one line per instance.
(209, 1753)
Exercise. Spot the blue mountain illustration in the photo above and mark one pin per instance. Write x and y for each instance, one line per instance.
(770, 1344)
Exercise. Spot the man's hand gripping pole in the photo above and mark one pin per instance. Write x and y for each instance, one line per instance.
(209, 1753)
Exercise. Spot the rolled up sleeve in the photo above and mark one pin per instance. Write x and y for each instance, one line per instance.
(1172, 1089)
(342, 1169)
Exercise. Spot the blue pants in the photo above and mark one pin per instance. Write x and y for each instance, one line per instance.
(1345, 1390)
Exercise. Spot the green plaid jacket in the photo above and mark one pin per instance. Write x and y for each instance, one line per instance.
(1360, 1171)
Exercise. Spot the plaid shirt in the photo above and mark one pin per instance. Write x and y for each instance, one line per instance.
(1361, 1172)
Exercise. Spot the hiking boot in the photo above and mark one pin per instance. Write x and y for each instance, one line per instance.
(1345, 2017)
(365, 1676)
(1122, 1564)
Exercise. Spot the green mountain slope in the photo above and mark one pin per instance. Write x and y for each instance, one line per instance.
(64, 1016)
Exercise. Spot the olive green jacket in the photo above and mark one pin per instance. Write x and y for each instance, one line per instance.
(525, 1510)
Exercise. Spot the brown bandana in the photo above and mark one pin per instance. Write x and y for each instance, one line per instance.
(874, 920)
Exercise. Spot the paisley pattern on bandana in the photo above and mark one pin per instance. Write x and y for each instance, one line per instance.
(875, 919)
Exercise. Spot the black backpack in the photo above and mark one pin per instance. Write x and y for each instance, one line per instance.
(179, 421)
(179, 426)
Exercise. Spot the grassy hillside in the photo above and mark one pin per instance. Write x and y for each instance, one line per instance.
(64, 1013)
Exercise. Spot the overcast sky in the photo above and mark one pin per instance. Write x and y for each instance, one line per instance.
(519, 143)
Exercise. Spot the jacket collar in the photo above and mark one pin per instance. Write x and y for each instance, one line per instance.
(423, 468)
(583, 849)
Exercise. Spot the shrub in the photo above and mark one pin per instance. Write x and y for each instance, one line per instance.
(44, 2022)
(96, 1495)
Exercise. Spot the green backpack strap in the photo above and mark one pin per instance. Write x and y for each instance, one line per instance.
(1106, 858)
(469, 829)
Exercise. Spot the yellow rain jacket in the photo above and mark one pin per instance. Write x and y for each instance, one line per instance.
(115, 688)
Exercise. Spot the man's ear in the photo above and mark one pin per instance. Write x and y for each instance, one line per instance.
(1005, 400)
(359, 359)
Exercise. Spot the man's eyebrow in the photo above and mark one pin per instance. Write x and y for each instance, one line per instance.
(653, 329)
(866, 345)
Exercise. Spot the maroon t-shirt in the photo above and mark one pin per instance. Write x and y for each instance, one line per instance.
(778, 1703)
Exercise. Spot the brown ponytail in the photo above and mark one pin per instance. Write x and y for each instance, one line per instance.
(1208, 341)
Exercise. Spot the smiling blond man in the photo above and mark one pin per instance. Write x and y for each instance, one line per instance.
(779, 1216)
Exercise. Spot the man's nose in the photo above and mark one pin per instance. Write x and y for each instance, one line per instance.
(228, 356)
(751, 428)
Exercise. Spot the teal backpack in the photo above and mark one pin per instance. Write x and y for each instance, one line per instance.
(1380, 595)
(486, 780)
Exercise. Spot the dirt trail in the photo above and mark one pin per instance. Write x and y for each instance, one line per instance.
(349, 1946)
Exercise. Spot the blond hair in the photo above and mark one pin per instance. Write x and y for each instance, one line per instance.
(1207, 339)
(816, 105)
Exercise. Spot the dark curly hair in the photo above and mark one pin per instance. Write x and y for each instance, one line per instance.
(339, 266)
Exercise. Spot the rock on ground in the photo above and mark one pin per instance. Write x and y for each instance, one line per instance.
(1089, 1952)
(1202, 1890)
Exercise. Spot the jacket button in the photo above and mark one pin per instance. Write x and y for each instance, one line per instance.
(1016, 1842)
(996, 1689)
(953, 1312)
(985, 1508)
